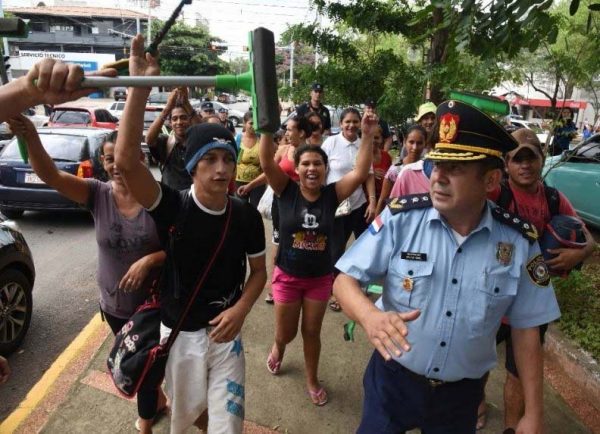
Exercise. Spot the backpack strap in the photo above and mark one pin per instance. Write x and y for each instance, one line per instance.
(553, 199)
(506, 197)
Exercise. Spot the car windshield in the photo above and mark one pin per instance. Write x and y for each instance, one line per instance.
(60, 147)
(71, 117)
(150, 116)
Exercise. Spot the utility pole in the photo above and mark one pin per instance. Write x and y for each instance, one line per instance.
(292, 64)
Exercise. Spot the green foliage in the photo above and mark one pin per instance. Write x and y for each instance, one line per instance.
(186, 51)
(579, 300)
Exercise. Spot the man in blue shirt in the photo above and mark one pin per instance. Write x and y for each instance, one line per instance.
(452, 265)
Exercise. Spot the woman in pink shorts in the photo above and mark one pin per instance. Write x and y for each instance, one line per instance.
(303, 274)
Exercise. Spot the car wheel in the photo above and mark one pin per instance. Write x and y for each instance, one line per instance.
(12, 213)
(16, 304)
(234, 120)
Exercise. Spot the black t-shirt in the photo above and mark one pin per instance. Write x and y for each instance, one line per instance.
(306, 231)
(323, 111)
(200, 232)
(172, 165)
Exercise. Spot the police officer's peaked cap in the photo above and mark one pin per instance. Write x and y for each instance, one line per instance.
(201, 138)
(316, 86)
(206, 106)
(465, 133)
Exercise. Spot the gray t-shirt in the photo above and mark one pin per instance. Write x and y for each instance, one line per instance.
(121, 242)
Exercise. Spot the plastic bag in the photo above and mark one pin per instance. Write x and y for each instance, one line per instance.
(264, 205)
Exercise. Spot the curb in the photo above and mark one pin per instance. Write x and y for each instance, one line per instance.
(43, 387)
(580, 367)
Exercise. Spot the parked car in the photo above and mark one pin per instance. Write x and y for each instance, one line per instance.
(235, 116)
(116, 109)
(17, 276)
(82, 117)
(120, 93)
(74, 150)
(158, 98)
(576, 173)
(150, 115)
(541, 134)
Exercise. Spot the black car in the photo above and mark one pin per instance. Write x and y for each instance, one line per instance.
(74, 150)
(17, 275)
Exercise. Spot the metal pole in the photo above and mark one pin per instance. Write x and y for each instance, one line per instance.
(292, 64)
(147, 81)
(5, 74)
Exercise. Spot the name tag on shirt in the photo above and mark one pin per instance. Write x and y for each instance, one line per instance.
(413, 256)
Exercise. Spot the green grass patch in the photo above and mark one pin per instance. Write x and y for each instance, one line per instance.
(579, 300)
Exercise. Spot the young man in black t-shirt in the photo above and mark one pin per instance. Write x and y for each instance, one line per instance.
(206, 362)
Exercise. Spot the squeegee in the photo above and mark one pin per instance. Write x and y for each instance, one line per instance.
(260, 80)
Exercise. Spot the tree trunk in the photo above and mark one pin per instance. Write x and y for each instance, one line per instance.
(437, 54)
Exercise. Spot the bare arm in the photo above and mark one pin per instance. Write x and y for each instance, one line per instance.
(72, 187)
(139, 270)
(567, 258)
(387, 143)
(351, 181)
(139, 179)
(528, 356)
(387, 331)
(386, 189)
(229, 322)
(276, 177)
(370, 213)
(48, 82)
(156, 127)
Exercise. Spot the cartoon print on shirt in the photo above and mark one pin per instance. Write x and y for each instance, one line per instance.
(310, 239)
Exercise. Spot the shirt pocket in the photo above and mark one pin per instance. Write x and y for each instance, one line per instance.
(412, 282)
(491, 298)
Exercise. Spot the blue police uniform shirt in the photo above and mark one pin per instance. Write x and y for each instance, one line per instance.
(462, 291)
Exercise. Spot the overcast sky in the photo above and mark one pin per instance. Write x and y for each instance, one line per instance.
(230, 20)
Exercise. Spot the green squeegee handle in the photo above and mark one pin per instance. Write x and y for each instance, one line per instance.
(484, 103)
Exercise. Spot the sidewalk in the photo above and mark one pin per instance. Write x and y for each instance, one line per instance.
(83, 400)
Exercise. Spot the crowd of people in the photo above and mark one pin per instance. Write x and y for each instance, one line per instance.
(459, 272)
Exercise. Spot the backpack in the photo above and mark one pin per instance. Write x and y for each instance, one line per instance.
(506, 198)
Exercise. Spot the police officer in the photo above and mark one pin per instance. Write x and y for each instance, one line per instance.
(315, 105)
(223, 112)
(207, 109)
(452, 264)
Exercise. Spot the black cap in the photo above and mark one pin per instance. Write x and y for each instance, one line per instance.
(468, 134)
(370, 102)
(223, 110)
(317, 86)
(201, 138)
(207, 106)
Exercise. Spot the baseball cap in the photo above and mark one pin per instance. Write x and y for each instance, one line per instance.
(223, 110)
(317, 86)
(202, 138)
(207, 106)
(425, 108)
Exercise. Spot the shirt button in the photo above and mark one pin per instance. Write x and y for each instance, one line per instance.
(496, 290)
(454, 281)
(410, 272)
(448, 313)
(459, 250)
(436, 369)
(442, 344)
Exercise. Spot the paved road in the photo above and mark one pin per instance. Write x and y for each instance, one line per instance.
(64, 296)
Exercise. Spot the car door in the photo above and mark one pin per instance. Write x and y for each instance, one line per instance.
(578, 178)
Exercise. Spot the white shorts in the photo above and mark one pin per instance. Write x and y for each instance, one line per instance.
(201, 373)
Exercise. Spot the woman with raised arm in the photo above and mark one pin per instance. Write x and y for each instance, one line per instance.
(205, 367)
(129, 251)
(303, 276)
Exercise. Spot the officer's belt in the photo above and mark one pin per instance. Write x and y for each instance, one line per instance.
(431, 382)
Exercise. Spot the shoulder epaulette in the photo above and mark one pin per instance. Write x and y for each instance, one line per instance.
(525, 228)
(406, 203)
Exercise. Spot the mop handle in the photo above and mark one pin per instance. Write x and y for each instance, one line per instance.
(148, 81)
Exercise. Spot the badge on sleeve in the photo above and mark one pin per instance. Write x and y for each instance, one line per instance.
(504, 253)
(538, 271)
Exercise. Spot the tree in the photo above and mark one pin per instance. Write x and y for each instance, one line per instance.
(187, 50)
(448, 32)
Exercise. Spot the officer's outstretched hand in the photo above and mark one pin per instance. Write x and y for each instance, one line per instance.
(387, 331)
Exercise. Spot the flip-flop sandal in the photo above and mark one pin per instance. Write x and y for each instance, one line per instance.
(335, 306)
(274, 366)
(159, 413)
(318, 398)
(269, 298)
